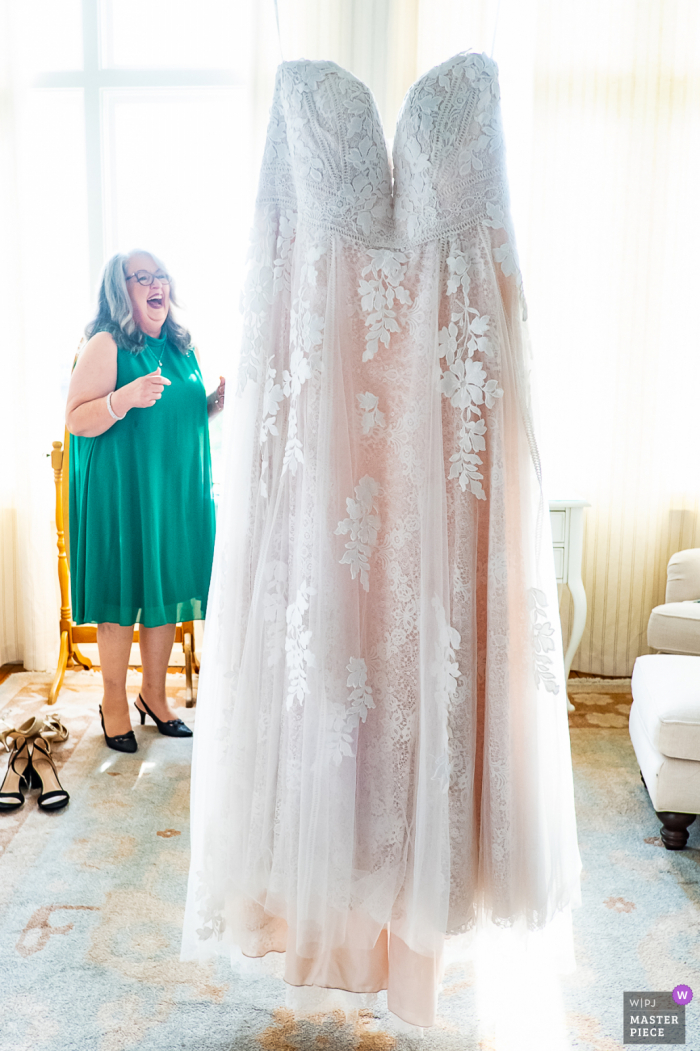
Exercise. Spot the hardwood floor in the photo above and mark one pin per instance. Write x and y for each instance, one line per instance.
(592, 675)
(8, 669)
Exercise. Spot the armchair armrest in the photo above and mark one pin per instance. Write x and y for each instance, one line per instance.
(683, 576)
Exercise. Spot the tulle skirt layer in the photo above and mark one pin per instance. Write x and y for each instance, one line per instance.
(382, 757)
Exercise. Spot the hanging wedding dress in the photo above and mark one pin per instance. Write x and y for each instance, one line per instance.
(381, 755)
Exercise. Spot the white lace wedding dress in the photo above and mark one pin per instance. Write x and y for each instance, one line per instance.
(381, 753)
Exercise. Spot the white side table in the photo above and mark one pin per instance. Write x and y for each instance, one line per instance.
(566, 517)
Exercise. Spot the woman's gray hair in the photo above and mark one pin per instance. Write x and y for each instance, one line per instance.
(115, 313)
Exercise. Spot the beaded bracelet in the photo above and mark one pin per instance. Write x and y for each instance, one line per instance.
(112, 413)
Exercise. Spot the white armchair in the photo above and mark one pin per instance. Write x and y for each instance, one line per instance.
(665, 714)
(674, 627)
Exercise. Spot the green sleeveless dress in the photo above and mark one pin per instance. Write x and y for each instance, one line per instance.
(141, 507)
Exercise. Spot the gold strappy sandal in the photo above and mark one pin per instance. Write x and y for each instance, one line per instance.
(49, 727)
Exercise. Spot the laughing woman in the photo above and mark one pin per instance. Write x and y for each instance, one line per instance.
(141, 507)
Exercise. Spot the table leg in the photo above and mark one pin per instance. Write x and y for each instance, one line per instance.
(578, 595)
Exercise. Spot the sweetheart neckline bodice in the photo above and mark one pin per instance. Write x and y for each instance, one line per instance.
(326, 155)
(365, 87)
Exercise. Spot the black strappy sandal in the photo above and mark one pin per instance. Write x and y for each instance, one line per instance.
(44, 776)
(18, 776)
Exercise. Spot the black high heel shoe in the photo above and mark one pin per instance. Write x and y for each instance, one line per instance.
(53, 795)
(122, 742)
(171, 728)
(18, 776)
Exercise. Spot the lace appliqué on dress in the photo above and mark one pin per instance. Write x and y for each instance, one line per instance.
(363, 527)
(275, 610)
(465, 381)
(446, 673)
(380, 287)
(305, 338)
(347, 717)
(299, 656)
(372, 416)
(256, 297)
(210, 909)
(542, 639)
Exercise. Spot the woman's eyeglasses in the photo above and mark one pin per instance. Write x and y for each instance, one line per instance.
(145, 277)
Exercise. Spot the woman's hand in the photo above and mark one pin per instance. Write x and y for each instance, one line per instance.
(215, 401)
(140, 394)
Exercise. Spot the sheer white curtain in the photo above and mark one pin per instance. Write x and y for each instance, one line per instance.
(36, 172)
(166, 142)
(600, 104)
(615, 220)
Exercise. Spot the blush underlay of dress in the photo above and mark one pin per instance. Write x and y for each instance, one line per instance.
(382, 756)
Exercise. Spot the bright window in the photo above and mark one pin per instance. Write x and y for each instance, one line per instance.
(173, 34)
(132, 136)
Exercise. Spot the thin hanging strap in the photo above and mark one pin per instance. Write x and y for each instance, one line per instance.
(495, 26)
(279, 35)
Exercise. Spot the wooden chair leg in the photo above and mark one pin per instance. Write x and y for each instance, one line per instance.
(60, 670)
(188, 632)
(189, 694)
(77, 656)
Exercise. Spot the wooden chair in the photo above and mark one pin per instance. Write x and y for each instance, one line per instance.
(72, 634)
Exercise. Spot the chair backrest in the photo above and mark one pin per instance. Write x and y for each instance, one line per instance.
(683, 576)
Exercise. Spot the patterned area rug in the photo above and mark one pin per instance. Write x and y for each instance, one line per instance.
(91, 906)
(600, 702)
